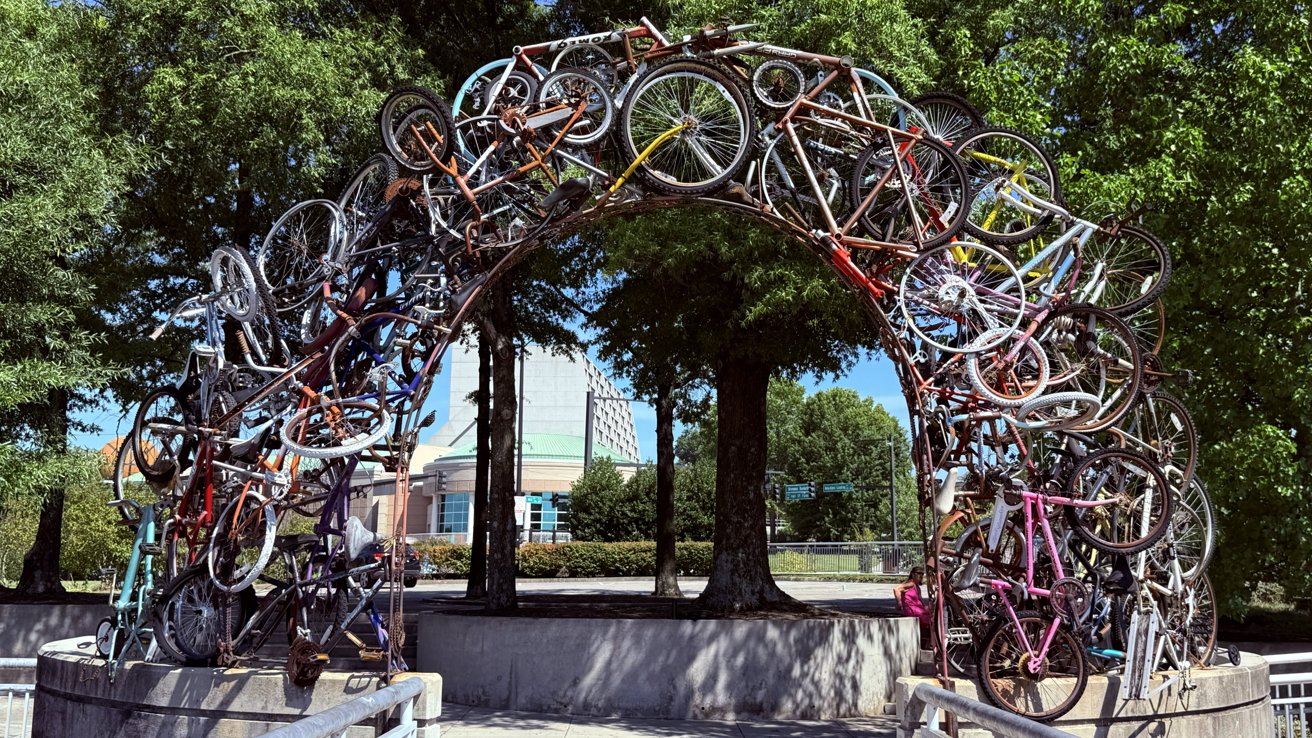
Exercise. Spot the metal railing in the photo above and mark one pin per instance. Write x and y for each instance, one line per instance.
(1291, 696)
(336, 721)
(17, 700)
(846, 557)
(927, 701)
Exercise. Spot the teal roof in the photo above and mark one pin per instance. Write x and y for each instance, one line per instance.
(549, 447)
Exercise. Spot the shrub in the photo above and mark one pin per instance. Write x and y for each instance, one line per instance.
(789, 562)
(450, 560)
(540, 560)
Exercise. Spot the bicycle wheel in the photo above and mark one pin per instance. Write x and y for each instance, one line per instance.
(949, 116)
(323, 611)
(1011, 372)
(192, 617)
(918, 195)
(1124, 273)
(995, 157)
(292, 258)
(1060, 410)
(161, 444)
(1193, 530)
(952, 295)
(1149, 326)
(1014, 678)
(1137, 501)
(570, 87)
(365, 196)
(335, 428)
(719, 128)
(233, 276)
(1093, 351)
(591, 57)
(124, 465)
(242, 542)
(1161, 428)
(414, 121)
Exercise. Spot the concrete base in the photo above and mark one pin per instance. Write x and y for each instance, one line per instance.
(75, 698)
(681, 669)
(1229, 702)
(25, 628)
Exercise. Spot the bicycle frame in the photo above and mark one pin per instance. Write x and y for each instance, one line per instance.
(131, 622)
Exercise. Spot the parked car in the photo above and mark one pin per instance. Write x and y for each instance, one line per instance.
(377, 551)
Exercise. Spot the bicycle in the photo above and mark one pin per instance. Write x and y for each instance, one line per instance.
(131, 629)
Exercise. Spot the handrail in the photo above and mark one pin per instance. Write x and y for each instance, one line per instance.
(335, 720)
(1288, 658)
(24, 663)
(928, 700)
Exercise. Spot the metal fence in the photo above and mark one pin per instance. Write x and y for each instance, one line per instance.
(1291, 695)
(17, 701)
(336, 721)
(841, 557)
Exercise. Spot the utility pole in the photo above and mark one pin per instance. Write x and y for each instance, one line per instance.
(892, 492)
(519, 465)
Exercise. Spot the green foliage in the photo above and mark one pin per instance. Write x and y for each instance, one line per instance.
(450, 560)
(59, 178)
(92, 538)
(606, 507)
(621, 559)
(249, 106)
(789, 562)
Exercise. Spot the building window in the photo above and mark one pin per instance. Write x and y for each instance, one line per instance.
(453, 515)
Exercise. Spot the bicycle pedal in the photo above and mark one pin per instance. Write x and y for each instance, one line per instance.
(152, 549)
(372, 654)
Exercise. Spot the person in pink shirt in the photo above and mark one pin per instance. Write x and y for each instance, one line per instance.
(908, 597)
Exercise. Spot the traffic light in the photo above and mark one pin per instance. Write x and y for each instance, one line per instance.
(810, 489)
(441, 481)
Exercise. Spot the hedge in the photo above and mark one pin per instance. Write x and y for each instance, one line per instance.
(574, 559)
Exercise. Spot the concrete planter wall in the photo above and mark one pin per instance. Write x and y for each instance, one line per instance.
(25, 628)
(75, 698)
(1229, 702)
(685, 669)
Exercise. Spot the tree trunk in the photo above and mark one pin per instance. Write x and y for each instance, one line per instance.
(477, 586)
(41, 564)
(667, 572)
(502, 528)
(740, 570)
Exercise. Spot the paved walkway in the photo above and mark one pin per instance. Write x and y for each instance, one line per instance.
(459, 721)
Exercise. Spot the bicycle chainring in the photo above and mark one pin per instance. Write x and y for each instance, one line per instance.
(1069, 598)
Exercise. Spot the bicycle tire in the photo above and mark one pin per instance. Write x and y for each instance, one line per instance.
(996, 657)
(322, 613)
(1029, 372)
(590, 57)
(949, 115)
(188, 617)
(162, 467)
(247, 519)
(241, 300)
(415, 105)
(1195, 498)
(302, 424)
(118, 480)
(970, 270)
(365, 194)
(292, 255)
(1072, 408)
(1090, 349)
(572, 81)
(1151, 425)
(981, 177)
(886, 216)
(522, 87)
(1131, 283)
(1092, 523)
(735, 112)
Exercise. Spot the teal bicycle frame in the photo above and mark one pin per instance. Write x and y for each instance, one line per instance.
(130, 628)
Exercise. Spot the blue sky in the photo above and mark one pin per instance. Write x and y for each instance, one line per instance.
(870, 376)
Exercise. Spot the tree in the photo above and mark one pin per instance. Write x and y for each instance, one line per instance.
(603, 507)
(839, 436)
(59, 176)
(498, 325)
(1197, 109)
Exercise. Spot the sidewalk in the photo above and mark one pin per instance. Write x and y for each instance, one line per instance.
(459, 721)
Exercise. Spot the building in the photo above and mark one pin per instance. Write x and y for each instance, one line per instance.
(554, 391)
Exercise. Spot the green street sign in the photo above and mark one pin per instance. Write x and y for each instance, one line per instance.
(533, 499)
(798, 492)
(837, 487)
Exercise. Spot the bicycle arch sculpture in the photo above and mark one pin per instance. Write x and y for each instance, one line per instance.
(1028, 360)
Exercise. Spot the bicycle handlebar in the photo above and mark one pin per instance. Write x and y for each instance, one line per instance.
(185, 307)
